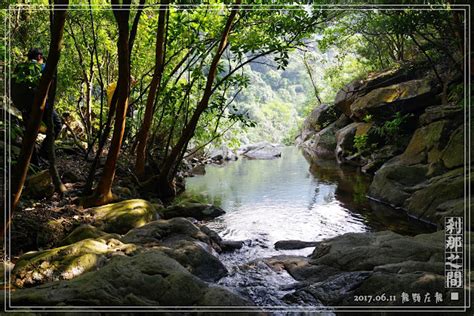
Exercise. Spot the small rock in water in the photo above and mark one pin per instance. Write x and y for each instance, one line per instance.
(231, 245)
(294, 244)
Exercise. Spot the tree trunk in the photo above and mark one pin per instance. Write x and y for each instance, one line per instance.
(103, 136)
(165, 178)
(49, 141)
(21, 168)
(152, 94)
(51, 132)
(103, 192)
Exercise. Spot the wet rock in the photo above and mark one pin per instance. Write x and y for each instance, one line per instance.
(231, 245)
(122, 216)
(263, 150)
(198, 211)
(40, 185)
(405, 97)
(366, 264)
(333, 290)
(149, 278)
(294, 244)
(63, 263)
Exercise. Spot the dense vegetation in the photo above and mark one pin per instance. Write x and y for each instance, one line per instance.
(190, 76)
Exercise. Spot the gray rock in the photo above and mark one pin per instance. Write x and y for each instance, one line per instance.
(321, 116)
(165, 232)
(294, 244)
(198, 211)
(149, 278)
(322, 145)
(198, 258)
(263, 150)
(440, 112)
(366, 264)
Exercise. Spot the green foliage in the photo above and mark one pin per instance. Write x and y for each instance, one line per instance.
(360, 143)
(367, 118)
(392, 128)
(28, 73)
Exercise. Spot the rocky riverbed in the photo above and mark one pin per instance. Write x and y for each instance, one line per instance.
(127, 255)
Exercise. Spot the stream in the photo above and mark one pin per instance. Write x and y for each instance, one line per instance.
(288, 198)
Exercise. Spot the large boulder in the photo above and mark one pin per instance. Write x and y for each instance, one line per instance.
(198, 258)
(427, 174)
(358, 88)
(453, 154)
(323, 144)
(366, 264)
(165, 232)
(423, 203)
(222, 153)
(122, 216)
(441, 112)
(198, 211)
(405, 97)
(65, 262)
(318, 119)
(345, 139)
(147, 279)
(182, 240)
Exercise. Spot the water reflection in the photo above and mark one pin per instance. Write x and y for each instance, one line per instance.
(291, 198)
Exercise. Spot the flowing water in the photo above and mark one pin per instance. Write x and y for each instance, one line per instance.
(287, 198)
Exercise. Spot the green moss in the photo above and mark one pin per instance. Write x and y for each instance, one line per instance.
(122, 216)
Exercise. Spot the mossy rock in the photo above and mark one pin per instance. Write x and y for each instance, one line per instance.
(453, 154)
(405, 97)
(424, 202)
(61, 263)
(122, 216)
(425, 144)
(85, 232)
(166, 232)
(150, 278)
